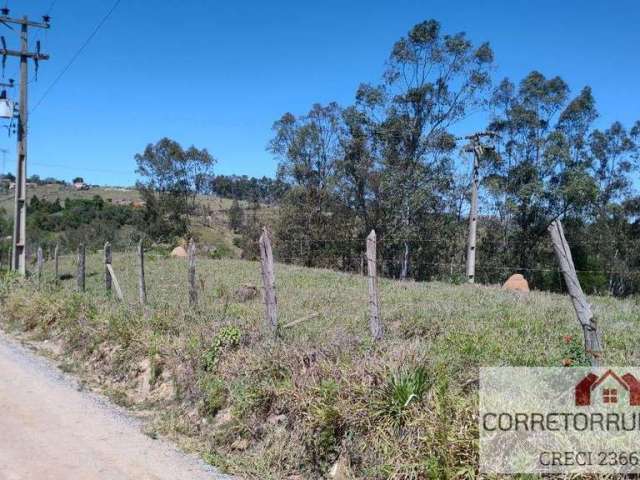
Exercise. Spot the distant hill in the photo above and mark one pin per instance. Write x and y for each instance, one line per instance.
(52, 192)
(210, 224)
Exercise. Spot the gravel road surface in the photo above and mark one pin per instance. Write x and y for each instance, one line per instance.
(49, 430)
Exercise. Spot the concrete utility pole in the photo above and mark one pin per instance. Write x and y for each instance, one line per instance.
(18, 255)
(4, 152)
(478, 150)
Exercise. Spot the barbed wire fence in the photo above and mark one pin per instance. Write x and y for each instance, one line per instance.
(353, 257)
(349, 255)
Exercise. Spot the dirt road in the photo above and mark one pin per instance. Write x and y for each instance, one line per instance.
(51, 431)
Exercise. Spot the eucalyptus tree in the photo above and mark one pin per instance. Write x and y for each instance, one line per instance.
(615, 157)
(309, 151)
(170, 179)
(359, 170)
(541, 170)
(614, 162)
(432, 81)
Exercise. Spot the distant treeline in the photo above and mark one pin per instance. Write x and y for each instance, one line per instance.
(68, 223)
(393, 162)
(74, 221)
(243, 187)
(36, 179)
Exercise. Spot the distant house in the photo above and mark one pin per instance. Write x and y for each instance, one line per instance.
(80, 185)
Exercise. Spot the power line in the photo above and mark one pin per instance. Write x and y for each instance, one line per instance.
(51, 5)
(82, 169)
(77, 54)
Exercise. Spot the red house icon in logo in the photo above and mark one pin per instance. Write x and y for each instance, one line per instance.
(608, 385)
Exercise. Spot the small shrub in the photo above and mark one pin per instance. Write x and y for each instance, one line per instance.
(214, 395)
(326, 425)
(573, 352)
(403, 388)
(123, 327)
(227, 337)
(251, 399)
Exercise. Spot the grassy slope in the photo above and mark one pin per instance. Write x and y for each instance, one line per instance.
(271, 410)
(212, 231)
(51, 192)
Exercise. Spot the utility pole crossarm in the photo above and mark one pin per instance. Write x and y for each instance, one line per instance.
(16, 53)
(24, 21)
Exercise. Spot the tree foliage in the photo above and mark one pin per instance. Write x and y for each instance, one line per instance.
(391, 161)
(171, 178)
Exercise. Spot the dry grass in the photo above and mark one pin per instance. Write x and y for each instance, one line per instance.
(274, 409)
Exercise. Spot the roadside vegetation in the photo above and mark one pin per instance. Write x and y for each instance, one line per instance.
(324, 393)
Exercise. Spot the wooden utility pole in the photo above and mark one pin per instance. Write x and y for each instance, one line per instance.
(18, 260)
(592, 341)
(478, 151)
(375, 320)
(142, 288)
(269, 282)
(473, 218)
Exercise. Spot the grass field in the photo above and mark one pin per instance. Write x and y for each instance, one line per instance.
(212, 379)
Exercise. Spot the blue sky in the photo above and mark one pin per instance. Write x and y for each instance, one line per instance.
(218, 74)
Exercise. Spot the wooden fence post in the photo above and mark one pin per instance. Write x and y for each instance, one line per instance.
(116, 285)
(375, 321)
(108, 258)
(269, 282)
(81, 265)
(142, 288)
(592, 341)
(191, 274)
(55, 262)
(40, 263)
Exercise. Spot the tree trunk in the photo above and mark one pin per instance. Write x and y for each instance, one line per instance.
(404, 271)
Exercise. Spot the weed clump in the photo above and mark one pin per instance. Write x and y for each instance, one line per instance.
(228, 337)
(403, 388)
